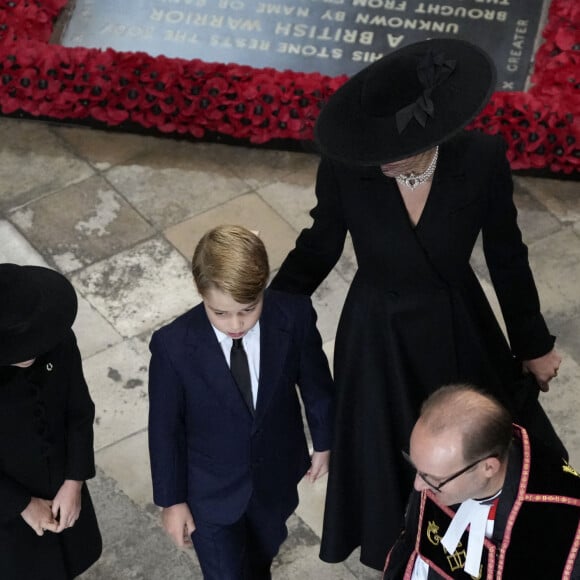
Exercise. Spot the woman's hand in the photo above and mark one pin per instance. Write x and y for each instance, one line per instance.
(544, 368)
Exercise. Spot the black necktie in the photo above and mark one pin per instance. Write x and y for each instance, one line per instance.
(241, 372)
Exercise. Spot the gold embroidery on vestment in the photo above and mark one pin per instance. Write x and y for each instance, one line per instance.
(456, 560)
(567, 468)
(431, 533)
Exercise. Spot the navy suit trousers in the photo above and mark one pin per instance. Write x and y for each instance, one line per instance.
(243, 550)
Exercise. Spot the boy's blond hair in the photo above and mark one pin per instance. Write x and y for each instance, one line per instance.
(233, 260)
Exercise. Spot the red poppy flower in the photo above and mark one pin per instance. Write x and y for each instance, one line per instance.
(182, 96)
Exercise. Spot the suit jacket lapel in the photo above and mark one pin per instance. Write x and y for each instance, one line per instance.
(274, 344)
(205, 353)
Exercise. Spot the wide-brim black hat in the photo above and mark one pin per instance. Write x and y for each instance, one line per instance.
(406, 103)
(37, 309)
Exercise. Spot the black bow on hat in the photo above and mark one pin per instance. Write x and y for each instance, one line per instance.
(37, 309)
(407, 102)
(431, 71)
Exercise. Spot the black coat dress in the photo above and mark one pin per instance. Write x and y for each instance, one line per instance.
(46, 436)
(415, 318)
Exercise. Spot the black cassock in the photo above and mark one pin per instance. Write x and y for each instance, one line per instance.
(415, 318)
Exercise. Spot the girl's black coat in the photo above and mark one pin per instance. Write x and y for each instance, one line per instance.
(46, 436)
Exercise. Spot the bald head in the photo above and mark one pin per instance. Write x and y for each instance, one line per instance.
(483, 424)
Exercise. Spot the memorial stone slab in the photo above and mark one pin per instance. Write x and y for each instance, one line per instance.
(332, 37)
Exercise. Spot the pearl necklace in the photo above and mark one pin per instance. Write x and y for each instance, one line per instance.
(413, 181)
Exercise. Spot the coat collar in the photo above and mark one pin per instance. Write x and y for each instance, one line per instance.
(450, 164)
(449, 191)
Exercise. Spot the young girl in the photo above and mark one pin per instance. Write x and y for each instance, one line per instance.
(48, 527)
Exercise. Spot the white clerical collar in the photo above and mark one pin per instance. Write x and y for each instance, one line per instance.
(472, 513)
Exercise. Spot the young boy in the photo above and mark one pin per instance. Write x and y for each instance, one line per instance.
(226, 436)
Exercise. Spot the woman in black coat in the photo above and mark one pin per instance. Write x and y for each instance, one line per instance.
(414, 191)
(48, 528)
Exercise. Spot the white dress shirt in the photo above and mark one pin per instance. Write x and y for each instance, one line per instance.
(251, 342)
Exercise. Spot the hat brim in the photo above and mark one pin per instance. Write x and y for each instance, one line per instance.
(348, 130)
(51, 321)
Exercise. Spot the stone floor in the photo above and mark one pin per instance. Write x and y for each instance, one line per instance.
(119, 214)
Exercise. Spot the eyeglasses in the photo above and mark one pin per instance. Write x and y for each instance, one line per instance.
(438, 487)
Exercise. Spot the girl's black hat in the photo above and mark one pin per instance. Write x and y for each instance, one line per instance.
(37, 309)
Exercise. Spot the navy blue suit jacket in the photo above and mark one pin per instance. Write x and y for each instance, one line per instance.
(206, 449)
